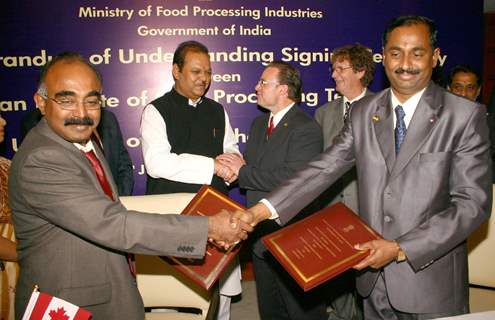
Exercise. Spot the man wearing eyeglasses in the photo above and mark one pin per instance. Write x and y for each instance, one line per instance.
(109, 136)
(280, 142)
(424, 178)
(73, 231)
(352, 70)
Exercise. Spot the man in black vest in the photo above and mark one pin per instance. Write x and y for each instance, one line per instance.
(182, 133)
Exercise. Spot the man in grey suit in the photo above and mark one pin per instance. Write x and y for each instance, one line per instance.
(73, 232)
(352, 71)
(425, 185)
(280, 142)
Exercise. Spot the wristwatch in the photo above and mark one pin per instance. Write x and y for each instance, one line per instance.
(401, 255)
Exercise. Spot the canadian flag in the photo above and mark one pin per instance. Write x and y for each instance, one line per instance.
(43, 306)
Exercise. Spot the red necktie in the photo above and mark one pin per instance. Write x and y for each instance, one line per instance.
(100, 174)
(269, 130)
(105, 185)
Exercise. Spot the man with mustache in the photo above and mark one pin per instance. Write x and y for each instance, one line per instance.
(73, 232)
(109, 136)
(182, 133)
(424, 182)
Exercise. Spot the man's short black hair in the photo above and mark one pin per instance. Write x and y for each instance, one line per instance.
(408, 21)
(466, 69)
(182, 50)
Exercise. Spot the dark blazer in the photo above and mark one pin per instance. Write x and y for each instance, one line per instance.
(270, 161)
(113, 147)
(73, 238)
(429, 198)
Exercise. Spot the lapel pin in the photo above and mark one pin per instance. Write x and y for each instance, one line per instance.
(285, 124)
(375, 118)
(432, 120)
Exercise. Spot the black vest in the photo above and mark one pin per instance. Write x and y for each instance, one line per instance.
(196, 130)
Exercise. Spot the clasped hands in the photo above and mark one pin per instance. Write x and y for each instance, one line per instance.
(226, 229)
(227, 166)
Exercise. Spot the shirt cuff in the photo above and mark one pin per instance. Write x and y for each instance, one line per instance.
(274, 214)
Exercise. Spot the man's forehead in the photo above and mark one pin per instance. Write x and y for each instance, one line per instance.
(343, 59)
(71, 74)
(194, 55)
(466, 76)
(270, 72)
(413, 31)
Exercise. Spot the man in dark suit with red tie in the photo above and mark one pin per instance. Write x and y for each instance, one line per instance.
(280, 142)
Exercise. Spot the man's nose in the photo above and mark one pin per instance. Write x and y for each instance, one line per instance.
(80, 111)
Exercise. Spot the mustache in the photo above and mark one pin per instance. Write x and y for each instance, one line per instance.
(85, 121)
(401, 70)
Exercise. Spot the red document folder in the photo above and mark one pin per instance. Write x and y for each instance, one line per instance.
(206, 271)
(320, 246)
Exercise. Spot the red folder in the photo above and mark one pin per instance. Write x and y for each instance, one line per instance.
(320, 246)
(205, 272)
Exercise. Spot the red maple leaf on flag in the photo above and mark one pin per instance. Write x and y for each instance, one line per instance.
(59, 314)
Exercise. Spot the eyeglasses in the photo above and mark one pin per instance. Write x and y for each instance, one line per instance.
(263, 83)
(67, 103)
(339, 69)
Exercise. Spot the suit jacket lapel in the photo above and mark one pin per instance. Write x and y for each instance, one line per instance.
(422, 122)
(262, 140)
(336, 117)
(45, 129)
(106, 170)
(279, 134)
(383, 122)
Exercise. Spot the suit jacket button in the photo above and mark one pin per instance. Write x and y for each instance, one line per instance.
(387, 218)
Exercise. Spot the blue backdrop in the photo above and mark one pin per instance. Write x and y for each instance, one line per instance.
(132, 43)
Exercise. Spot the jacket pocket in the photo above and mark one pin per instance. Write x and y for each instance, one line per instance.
(87, 296)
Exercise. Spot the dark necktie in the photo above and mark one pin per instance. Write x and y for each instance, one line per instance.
(105, 185)
(400, 128)
(269, 130)
(347, 109)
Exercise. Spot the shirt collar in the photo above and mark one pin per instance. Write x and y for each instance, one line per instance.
(85, 148)
(356, 98)
(277, 117)
(410, 104)
(184, 100)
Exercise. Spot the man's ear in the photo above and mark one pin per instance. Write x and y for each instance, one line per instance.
(40, 103)
(175, 71)
(361, 74)
(436, 56)
(284, 89)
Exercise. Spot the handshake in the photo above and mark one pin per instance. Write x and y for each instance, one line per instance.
(226, 229)
(227, 166)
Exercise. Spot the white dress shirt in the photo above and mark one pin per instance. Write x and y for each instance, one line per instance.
(279, 115)
(353, 100)
(409, 105)
(160, 162)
